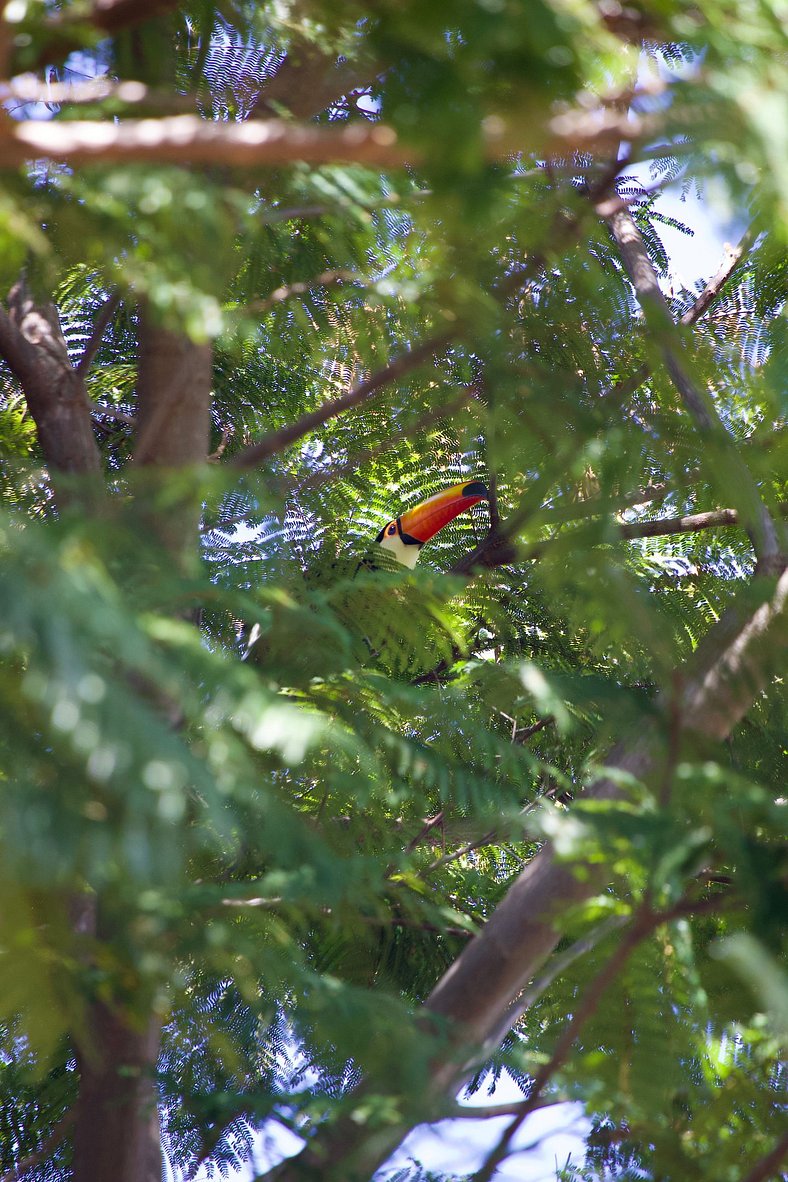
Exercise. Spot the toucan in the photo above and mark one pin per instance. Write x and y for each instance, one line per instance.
(405, 535)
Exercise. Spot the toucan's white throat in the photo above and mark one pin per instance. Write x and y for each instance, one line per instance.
(404, 554)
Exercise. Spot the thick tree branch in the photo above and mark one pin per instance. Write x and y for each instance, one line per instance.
(32, 344)
(174, 397)
(587, 1007)
(645, 922)
(478, 994)
(173, 421)
(117, 1124)
(278, 440)
(188, 139)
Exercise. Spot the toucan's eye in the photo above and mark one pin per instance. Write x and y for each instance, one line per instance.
(392, 529)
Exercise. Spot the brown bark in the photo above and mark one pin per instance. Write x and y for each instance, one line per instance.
(32, 343)
(189, 139)
(174, 397)
(116, 1137)
(173, 430)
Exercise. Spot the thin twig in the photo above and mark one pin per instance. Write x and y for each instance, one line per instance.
(227, 434)
(445, 411)
(492, 553)
(697, 309)
(477, 844)
(426, 828)
(491, 1111)
(325, 279)
(558, 964)
(326, 475)
(525, 733)
(110, 412)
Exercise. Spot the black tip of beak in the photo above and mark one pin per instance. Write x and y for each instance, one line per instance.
(476, 488)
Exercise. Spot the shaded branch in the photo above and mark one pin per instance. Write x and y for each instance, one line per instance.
(98, 410)
(720, 452)
(31, 341)
(766, 1168)
(278, 440)
(188, 139)
(103, 319)
(308, 81)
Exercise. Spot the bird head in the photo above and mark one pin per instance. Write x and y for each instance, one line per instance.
(405, 535)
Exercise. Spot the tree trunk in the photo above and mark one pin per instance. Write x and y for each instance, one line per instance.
(116, 1137)
(117, 1131)
(173, 431)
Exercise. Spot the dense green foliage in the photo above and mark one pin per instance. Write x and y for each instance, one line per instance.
(289, 851)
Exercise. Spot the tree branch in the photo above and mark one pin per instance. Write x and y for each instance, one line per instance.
(644, 924)
(477, 994)
(31, 341)
(325, 279)
(766, 1168)
(97, 335)
(188, 139)
(720, 453)
(733, 256)
(41, 1155)
(277, 441)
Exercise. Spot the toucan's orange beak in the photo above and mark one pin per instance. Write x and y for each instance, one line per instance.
(424, 521)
